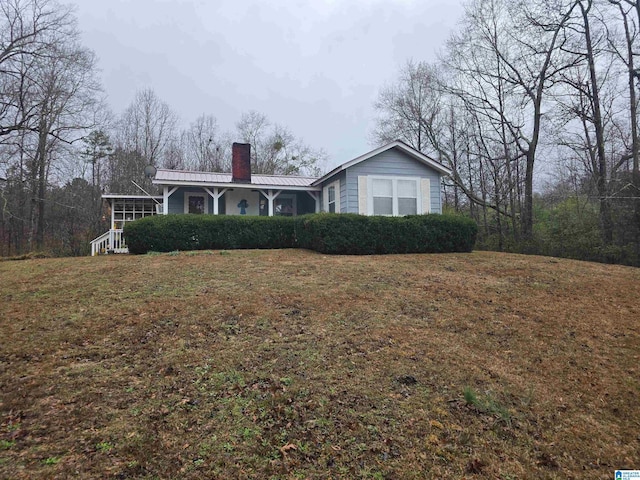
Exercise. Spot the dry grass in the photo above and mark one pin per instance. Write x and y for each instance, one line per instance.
(291, 364)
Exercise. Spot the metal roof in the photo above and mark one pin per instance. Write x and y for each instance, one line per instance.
(164, 176)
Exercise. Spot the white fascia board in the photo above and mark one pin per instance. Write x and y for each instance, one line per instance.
(246, 186)
(133, 197)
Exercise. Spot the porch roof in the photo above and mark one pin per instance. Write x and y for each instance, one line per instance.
(205, 179)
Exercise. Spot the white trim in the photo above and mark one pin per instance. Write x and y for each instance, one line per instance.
(108, 196)
(394, 192)
(165, 202)
(216, 194)
(412, 152)
(188, 195)
(270, 198)
(336, 198)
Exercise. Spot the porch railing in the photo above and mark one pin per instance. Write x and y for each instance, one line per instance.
(110, 241)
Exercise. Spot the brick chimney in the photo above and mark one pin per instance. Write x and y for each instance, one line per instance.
(241, 163)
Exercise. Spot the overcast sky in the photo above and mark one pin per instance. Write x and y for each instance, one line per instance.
(314, 66)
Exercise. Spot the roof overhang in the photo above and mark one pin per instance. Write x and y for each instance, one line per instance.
(110, 196)
(232, 185)
(412, 152)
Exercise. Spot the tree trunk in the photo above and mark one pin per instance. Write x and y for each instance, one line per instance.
(633, 114)
(605, 207)
(41, 157)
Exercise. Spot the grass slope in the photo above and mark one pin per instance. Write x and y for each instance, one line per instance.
(291, 364)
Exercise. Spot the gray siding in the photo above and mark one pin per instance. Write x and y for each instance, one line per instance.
(342, 176)
(176, 200)
(393, 163)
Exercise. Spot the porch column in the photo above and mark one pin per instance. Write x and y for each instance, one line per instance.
(165, 201)
(216, 194)
(271, 196)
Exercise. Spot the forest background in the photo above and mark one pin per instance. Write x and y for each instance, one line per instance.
(547, 90)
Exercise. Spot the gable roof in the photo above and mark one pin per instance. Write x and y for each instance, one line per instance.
(400, 145)
(188, 178)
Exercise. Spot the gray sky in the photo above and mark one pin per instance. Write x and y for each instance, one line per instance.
(314, 66)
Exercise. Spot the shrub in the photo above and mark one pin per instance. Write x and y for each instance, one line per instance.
(361, 235)
(166, 233)
(326, 233)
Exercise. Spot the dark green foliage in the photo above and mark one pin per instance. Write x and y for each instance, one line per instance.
(571, 229)
(165, 233)
(361, 235)
(327, 233)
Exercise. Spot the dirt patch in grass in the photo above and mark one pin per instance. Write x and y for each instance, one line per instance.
(291, 364)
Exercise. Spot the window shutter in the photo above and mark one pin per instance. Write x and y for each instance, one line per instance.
(362, 195)
(325, 199)
(425, 187)
(337, 185)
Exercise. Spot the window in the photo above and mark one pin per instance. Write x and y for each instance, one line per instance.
(407, 197)
(382, 191)
(396, 196)
(127, 210)
(195, 203)
(331, 197)
(331, 192)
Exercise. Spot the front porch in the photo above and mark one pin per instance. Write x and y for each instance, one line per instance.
(203, 200)
(239, 200)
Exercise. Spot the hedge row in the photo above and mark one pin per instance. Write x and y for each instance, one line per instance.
(326, 233)
(361, 235)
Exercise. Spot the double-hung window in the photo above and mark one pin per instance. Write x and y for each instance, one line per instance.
(382, 191)
(407, 193)
(331, 192)
(331, 195)
(395, 196)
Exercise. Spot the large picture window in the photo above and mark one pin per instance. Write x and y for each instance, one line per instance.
(395, 196)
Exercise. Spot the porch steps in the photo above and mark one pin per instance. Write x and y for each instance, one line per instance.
(110, 241)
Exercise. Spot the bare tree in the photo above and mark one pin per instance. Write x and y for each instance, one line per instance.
(207, 149)
(407, 108)
(28, 31)
(513, 47)
(67, 92)
(147, 127)
(48, 96)
(627, 55)
(275, 150)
